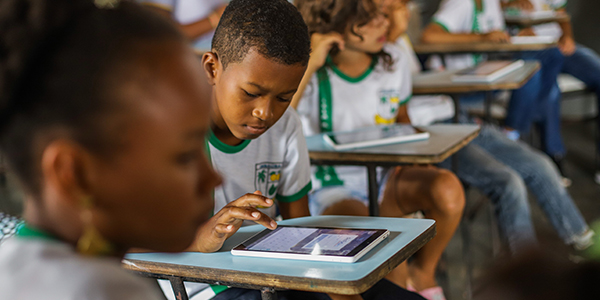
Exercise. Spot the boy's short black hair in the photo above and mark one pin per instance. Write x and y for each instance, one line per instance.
(274, 28)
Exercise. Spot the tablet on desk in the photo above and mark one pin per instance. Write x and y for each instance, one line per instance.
(374, 136)
(312, 243)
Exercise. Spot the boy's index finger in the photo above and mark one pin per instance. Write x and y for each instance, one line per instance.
(254, 200)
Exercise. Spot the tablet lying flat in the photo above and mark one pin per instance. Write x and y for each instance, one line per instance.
(312, 243)
(374, 136)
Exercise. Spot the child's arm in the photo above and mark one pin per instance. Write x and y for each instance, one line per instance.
(229, 219)
(296, 209)
(434, 33)
(321, 44)
(524, 5)
(402, 116)
(198, 28)
(566, 43)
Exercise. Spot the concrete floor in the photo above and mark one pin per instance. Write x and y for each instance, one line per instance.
(579, 166)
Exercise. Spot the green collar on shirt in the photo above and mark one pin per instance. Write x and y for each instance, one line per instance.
(338, 72)
(224, 147)
(27, 231)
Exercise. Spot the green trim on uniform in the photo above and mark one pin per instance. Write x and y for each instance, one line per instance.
(295, 197)
(436, 21)
(218, 288)
(224, 147)
(26, 231)
(358, 79)
(403, 102)
(477, 58)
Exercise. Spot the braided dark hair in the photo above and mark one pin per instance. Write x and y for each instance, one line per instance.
(324, 16)
(60, 64)
(274, 28)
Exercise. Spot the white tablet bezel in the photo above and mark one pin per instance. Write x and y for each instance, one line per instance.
(353, 256)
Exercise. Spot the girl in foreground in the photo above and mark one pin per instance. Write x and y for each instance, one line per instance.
(103, 120)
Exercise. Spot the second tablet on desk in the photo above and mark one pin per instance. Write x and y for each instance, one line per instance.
(312, 243)
(487, 71)
(374, 136)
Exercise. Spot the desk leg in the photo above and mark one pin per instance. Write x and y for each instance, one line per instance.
(373, 190)
(268, 294)
(178, 288)
(456, 100)
(489, 96)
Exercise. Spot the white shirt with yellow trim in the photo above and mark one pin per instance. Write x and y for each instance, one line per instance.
(371, 99)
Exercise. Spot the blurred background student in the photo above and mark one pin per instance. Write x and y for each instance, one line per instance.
(197, 19)
(109, 157)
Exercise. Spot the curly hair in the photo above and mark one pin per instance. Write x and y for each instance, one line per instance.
(341, 16)
(60, 63)
(274, 28)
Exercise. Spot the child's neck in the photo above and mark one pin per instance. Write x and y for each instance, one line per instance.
(352, 62)
(224, 135)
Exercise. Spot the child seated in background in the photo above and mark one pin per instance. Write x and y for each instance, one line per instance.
(197, 19)
(356, 79)
(468, 21)
(503, 170)
(579, 61)
(109, 157)
(260, 52)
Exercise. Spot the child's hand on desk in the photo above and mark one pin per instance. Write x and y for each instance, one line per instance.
(496, 37)
(229, 219)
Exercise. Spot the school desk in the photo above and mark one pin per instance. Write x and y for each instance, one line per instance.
(481, 47)
(444, 140)
(427, 83)
(528, 21)
(271, 274)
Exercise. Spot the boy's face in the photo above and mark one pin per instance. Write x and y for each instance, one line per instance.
(250, 96)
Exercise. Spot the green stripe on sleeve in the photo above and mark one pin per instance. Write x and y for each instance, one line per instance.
(218, 288)
(403, 102)
(303, 192)
(436, 21)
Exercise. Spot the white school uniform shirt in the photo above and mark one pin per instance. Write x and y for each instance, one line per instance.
(424, 110)
(33, 268)
(371, 99)
(461, 16)
(276, 163)
(549, 29)
(188, 12)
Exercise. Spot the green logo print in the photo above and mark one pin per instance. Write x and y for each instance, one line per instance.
(266, 178)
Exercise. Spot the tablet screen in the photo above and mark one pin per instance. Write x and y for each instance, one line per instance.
(311, 240)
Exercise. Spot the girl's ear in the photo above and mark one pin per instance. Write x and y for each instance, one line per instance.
(212, 66)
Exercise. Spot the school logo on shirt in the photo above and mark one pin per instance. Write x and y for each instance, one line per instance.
(387, 107)
(266, 178)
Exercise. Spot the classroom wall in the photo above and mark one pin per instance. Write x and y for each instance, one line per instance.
(584, 13)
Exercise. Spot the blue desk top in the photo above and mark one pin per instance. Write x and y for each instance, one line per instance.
(407, 236)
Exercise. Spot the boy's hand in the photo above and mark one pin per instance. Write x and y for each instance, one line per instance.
(229, 219)
(496, 37)
(566, 45)
(321, 44)
(526, 32)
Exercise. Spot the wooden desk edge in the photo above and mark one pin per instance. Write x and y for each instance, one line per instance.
(260, 280)
(450, 89)
(454, 48)
(532, 22)
(361, 159)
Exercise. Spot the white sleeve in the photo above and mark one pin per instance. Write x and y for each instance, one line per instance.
(497, 16)
(401, 65)
(558, 4)
(308, 108)
(164, 4)
(295, 172)
(456, 16)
